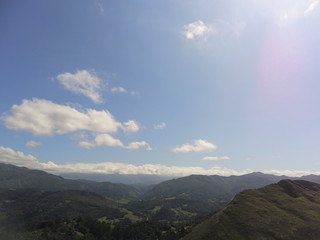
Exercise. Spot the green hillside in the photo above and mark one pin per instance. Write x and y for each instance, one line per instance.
(30, 214)
(197, 195)
(31, 206)
(209, 187)
(19, 177)
(286, 210)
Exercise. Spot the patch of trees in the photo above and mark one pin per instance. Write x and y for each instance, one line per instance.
(92, 229)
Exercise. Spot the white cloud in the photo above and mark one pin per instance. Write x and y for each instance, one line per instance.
(102, 140)
(134, 93)
(110, 141)
(197, 30)
(198, 146)
(43, 117)
(123, 90)
(32, 144)
(137, 145)
(312, 8)
(118, 89)
(131, 126)
(215, 158)
(8, 155)
(161, 125)
(82, 82)
(296, 11)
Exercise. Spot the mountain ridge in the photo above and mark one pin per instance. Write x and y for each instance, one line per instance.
(14, 177)
(285, 210)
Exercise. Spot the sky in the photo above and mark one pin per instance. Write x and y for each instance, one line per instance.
(161, 87)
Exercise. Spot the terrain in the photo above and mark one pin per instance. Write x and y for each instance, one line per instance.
(180, 199)
(20, 177)
(286, 210)
(35, 204)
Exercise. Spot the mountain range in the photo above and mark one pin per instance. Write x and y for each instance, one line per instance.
(20, 177)
(175, 200)
(251, 206)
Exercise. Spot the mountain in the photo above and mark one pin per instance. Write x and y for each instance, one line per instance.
(196, 195)
(32, 214)
(21, 206)
(287, 210)
(130, 179)
(14, 177)
(181, 199)
(311, 178)
(209, 187)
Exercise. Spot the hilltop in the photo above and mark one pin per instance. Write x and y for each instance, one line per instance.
(286, 210)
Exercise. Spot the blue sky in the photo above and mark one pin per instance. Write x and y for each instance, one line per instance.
(161, 87)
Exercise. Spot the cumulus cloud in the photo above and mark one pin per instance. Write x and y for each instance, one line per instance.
(82, 82)
(118, 89)
(10, 156)
(197, 30)
(102, 140)
(137, 145)
(198, 146)
(110, 141)
(43, 117)
(32, 144)
(131, 126)
(215, 158)
(159, 126)
(312, 8)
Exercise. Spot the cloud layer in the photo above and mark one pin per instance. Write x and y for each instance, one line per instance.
(8, 155)
(198, 146)
(82, 82)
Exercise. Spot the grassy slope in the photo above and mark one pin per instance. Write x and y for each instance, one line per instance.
(287, 210)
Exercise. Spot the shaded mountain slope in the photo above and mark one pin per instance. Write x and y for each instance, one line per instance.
(30, 206)
(286, 210)
(209, 187)
(19, 177)
(197, 195)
